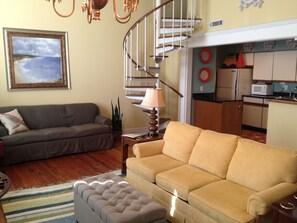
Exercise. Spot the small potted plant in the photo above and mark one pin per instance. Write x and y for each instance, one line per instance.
(116, 120)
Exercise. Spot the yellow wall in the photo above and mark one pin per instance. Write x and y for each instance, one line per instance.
(229, 11)
(95, 56)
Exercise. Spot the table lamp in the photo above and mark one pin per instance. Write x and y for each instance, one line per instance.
(153, 99)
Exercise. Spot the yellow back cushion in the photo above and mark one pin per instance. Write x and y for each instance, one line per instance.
(213, 152)
(179, 140)
(259, 166)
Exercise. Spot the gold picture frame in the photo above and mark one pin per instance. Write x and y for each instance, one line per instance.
(36, 59)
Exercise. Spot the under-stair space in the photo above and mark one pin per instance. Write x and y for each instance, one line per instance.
(149, 41)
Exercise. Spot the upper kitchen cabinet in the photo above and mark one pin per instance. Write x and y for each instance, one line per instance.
(248, 59)
(263, 66)
(284, 66)
(275, 66)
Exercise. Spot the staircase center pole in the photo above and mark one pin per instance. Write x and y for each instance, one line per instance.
(157, 23)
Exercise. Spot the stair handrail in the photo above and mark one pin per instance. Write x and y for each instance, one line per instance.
(132, 28)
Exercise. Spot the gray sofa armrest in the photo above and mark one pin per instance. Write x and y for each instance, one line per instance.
(103, 120)
(3, 131)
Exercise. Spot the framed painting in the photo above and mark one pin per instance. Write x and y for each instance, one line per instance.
(36, 59)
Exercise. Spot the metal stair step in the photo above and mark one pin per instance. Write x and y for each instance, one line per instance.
(168, 30)
(183, 20)
(150, 69)
(139, 97)
(171, 39)
(158, 59)
(137, 88)
(167, 48)
(144, 79)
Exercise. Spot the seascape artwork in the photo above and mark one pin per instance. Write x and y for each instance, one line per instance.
(37, 60)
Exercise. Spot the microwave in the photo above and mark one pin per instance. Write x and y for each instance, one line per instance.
(262, 89)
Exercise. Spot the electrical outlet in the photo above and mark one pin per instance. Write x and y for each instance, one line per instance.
(201, 88)
(285, 87)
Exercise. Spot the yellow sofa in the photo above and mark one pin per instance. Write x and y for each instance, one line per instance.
(204, 176)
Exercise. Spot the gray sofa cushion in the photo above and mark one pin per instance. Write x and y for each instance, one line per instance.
(49, 116)
(51, 134)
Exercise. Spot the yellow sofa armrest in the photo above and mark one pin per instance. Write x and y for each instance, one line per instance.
(260, 203)
(148, 148)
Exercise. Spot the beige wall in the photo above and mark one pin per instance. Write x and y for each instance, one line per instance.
(229, 11)
(95, 57)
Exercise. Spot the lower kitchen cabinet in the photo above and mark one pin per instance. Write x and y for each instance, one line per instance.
(255, 112)
(225, 117)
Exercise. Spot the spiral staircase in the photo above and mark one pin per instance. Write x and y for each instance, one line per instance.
(148, 42)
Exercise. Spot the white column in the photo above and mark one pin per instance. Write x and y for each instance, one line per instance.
(185, 85)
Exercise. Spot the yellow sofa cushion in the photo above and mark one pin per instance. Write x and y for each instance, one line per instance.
(148, 167)
(259, 166)
(179, 140)
(213, 152)
(223, 201)
(182, 180)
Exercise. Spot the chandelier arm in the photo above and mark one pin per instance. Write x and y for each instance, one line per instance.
(120, 20)
(64, 16)
(118, 17)
(90, 11)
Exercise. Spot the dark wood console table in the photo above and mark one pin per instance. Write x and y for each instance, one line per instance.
(285, 210)
(130, 142)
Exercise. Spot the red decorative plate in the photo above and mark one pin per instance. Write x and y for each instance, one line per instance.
(204, 75)
(205, 55)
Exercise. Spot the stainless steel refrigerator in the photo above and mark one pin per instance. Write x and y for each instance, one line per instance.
(233, 83)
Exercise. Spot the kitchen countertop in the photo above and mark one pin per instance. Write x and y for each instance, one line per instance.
(210, 97)
(278, 97)
(281, 98)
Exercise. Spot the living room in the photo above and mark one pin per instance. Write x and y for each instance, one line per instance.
(95, 54)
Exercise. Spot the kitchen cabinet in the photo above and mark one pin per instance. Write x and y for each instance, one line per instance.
(255, 112)
(263, 66)
(284, 66)
(275, 66)
(225, 116)
(282, 124)
(248, 59)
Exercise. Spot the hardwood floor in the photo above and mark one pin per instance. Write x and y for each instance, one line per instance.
(62, 169)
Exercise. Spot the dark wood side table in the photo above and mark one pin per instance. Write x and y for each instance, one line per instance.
(283, 214)
(4, 186)
(1, 155)
(130, 142)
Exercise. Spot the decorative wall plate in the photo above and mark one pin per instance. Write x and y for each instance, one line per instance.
(204, 75)
(205, 55)
(246, 3)
(269, 45)
(291, 43)
(247, 47)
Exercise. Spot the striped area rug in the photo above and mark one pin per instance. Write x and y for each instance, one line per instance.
(50, 204)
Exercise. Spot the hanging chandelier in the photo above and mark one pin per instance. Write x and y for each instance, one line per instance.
(93, 7)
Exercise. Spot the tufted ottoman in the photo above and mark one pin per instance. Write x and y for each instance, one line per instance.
(108, 198)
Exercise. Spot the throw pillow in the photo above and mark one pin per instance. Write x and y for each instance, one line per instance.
(13, 121)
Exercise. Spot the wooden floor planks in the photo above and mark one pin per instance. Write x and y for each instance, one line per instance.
(62, 169)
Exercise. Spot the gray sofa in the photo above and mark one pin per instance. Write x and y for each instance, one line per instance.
(56, 130)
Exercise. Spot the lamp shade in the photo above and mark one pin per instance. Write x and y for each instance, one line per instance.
(153, 98)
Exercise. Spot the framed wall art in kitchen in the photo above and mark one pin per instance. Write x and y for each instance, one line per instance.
(36, 59)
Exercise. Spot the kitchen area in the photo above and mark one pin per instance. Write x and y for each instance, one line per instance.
(247, 86)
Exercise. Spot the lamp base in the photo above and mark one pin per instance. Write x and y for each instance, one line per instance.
(152, 134)
(153, 123)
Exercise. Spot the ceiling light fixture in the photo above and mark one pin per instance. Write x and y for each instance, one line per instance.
(93, 7)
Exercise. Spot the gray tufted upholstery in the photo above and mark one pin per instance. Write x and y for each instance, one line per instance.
(115, 201)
